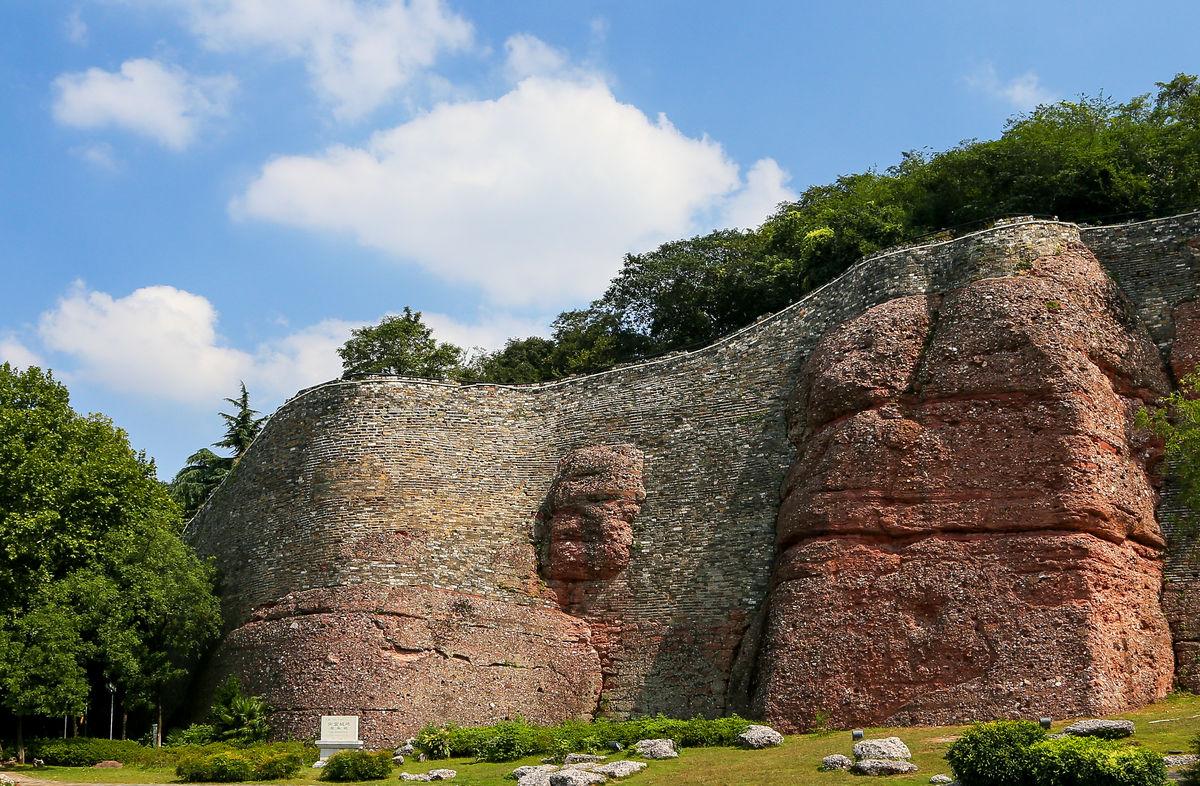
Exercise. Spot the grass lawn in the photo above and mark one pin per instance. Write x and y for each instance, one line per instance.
(1169, 725)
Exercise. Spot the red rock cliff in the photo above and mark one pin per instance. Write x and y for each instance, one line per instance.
(968, 530)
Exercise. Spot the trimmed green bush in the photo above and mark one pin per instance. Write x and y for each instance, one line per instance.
(260, 763)
(86, 751)
(1088, 761)
(994, 754)
(226, 767)
(516, 739)
(357, 766)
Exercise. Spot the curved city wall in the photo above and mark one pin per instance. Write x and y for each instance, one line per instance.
(384, 543)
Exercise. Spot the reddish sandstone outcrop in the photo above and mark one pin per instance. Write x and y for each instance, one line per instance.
(596, 495)
(400, 657)
(968, 530)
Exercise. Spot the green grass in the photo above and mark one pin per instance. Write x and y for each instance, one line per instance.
(1166, 726)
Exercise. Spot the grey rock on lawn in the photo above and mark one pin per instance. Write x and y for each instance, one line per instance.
(1181, 759)
(408, 748)
(883, 767)
(535, 775)
(621, 769)
(655, 749)
(885, 748)
(432, 775)
(531, 769)
(834, 762)
(582, 758)
(8, 780)
(1105, 729)
(760, 737)
(575, 777)
(397, 759)
(941, 779)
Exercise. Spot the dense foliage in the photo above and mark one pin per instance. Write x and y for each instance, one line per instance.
(1018, 753)
(1086, 761)
(1089, 160)
(399, 344)
(348, 766)
(994, 754)
(87, 751)
(517, 739)
(237, 717)
(1177, 422)
(95, 581)
(234, 766)
(205, 470)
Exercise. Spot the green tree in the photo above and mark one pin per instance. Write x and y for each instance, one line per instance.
(1177, 423)
(204, 470)
(399, 344)
(94, 577)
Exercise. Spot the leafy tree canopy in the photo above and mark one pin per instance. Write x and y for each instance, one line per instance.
(94, 576)
(205, 470)
(400, 344)
(1088, 160)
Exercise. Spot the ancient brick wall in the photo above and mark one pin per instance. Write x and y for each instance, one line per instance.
(406, 488)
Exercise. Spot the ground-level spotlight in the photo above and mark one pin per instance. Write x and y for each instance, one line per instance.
(857, 734)
(1045, 722)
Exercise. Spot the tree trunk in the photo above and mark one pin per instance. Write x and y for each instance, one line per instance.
(21, 739)
(158, 736)
(124, 721)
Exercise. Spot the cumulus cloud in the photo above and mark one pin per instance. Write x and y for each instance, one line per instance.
(162, 343)
(1022, 92)
(14, 351)
(146, 97)
(765, 188)
(534, 196)
(157, 341)
(527, 55)
(358, 55)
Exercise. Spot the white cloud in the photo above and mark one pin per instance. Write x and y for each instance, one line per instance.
(99, 155)
(1021, 92)
(158, 341)
(162, 102)
(358, 55)
(162, 343)
(490, 332)
(75, 28)
(534, 196)
(766, 187)
(14, 351)
(527, 55)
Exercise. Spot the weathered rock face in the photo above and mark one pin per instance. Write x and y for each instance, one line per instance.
(969, 529)
(596, 495)
(1185, 352)
(401, 656)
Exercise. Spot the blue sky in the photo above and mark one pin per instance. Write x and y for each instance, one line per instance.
(201, 191)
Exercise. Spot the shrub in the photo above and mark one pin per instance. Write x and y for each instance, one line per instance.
(357, 766)
(994, 754)
(196, 734)
(237, 717)
(516, 739)
(507, 741)
(274, 766)
(1087, 761)
(86, 751)
(226, 767)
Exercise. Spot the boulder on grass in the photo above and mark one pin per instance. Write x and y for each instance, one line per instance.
(835, 762)
(621, 769)
(885, 748)
(760, 737)
(655, 749)
(109, 764)
(883, 767)
(576, 777)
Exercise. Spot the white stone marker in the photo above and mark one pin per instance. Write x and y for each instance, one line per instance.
(338, 732)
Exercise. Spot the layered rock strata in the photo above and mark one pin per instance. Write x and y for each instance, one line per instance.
(968, 530)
